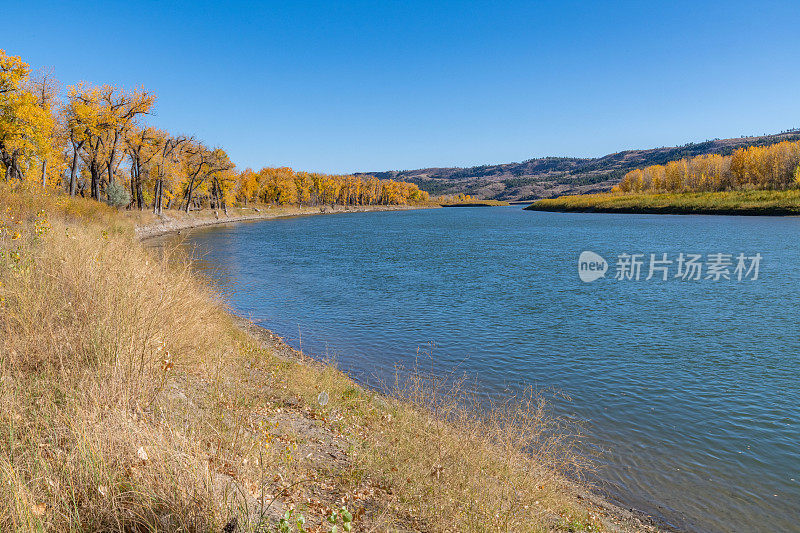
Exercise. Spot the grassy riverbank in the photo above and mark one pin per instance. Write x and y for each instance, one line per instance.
(132, 400)
(756, 202)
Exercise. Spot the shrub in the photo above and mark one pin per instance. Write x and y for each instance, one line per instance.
(117, 195)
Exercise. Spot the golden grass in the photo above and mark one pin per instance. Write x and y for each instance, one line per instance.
(751, 202)
(131, 401)
(88, 319)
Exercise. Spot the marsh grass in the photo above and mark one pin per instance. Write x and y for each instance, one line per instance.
(131, 401)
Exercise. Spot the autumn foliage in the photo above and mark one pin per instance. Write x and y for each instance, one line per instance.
(286, 187)
(773, 167)
(87, 138)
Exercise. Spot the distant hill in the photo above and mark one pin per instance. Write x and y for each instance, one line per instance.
(547, 177)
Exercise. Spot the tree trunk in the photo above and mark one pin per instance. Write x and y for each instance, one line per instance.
(95, 180)
(139, 196)
(111, 158)
(189, 195)
(44, 174)
(73, 171)
(132, 184)
(157, 197)
(215, 195)
(73, 175)
(11, 170)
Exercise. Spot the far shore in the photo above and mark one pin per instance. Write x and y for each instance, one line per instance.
(176, 221)
(740, 203)
(478, 203)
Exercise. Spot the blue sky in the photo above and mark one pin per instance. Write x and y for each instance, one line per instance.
(358, 86)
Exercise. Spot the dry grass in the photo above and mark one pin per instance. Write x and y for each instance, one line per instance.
(91, 326)
(130, 401)
(470, 464)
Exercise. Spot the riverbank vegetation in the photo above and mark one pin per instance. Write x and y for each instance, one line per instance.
(93, 141)
(456, 199)
(712, 203)
(465, 200)
(759, 180)
(131, 400)
(773, 167)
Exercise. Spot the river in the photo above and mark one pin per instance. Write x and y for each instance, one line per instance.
(688, 388)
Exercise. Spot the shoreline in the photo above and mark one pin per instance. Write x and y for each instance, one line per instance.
(755, 202)
(485, 203)
(169, 223)
(615, 514)
(671, 210)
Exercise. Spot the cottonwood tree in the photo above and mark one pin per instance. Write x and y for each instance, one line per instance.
(26, 122)
(76, 139)
(201, 164)
(142, 146)
(46, 89)
(98, 119)
(169, 165)
(246, 185)
(223, 183)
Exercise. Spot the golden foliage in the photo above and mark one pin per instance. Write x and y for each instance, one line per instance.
(283, 186)
(772, 167)
(98, 138)
(27, 123)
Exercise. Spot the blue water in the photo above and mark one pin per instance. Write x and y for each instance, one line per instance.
(690, 388)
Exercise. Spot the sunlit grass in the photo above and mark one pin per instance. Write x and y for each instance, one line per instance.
(754, 202)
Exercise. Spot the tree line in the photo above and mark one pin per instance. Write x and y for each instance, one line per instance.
(287, 187)
(773, 167)
(93, 141)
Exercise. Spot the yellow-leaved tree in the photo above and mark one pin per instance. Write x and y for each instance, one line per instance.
(98, 120)
(27, 123)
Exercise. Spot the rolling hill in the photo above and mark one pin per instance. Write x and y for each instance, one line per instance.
(548, 177)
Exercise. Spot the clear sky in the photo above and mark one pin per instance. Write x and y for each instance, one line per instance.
(363, 86)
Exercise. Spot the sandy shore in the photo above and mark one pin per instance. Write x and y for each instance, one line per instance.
(175, 221)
